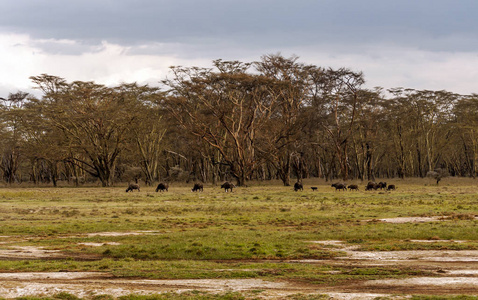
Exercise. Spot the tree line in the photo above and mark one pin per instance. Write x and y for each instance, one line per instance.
(276, 118)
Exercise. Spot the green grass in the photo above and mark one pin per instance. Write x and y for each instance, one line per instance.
(251, 233)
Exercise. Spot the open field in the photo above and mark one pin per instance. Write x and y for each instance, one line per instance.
(264, 241)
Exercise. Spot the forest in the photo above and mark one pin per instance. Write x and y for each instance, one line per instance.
(272, 119)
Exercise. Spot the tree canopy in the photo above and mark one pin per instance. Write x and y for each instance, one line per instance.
(277, 118)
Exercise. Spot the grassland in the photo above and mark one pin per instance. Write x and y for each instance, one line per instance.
(260, 231)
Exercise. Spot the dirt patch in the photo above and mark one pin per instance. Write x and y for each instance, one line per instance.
(91, 284)
(26, 252)
(401, 220)
(426, 255)
(122, 233)
(100, 244)
(52, 275)
(436, 241)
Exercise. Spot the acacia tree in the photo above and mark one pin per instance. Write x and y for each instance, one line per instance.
(334, 100)
(289, 87)
(94, 121)
(225, 107)
(11, 113)
(466, 127)
(146, 140)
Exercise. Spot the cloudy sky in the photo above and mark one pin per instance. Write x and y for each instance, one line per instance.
(421, 44)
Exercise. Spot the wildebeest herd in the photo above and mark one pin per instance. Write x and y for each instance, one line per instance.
(298, 186)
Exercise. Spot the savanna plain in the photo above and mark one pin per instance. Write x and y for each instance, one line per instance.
(263, 241)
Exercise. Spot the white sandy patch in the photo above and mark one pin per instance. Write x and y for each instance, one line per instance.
(462, 272)
(400, 220)
(30, 289)
(81, 287)
(436, 241)
(215, 284)
(329, 243)
(423, 255)
(51, 275)
(122, 233)
(455, 282)
(29, 252)
(100, 244)
(360, 296)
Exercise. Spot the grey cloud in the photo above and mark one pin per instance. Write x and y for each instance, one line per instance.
(249, 23)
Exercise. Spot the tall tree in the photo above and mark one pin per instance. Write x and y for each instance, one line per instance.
(11, 113)
(95, 121)
(225, 107)
(289, 87)
(334, 101)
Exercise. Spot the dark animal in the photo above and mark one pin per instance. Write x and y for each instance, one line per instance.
(391, 187)
(227, 186)
(353, 187)
(314, 188)
(339, 186)
(132, 186)
(198, 187)
(382, 185)
(162, 187)
(298, 186)
(371, 186)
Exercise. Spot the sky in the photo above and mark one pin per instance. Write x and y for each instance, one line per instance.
(418, 44)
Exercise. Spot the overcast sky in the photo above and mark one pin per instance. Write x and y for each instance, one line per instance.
(421, 44)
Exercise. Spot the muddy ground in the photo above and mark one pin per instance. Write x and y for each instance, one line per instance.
(454, 272)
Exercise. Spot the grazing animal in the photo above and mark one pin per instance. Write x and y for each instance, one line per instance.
(298, 186)
(382, 185)
(198, 187)
(227, 186)
(339, 186)
(353, 187)
(162, 187)
(391, 187)
(314, 188)
(132, 186)
(371, 186)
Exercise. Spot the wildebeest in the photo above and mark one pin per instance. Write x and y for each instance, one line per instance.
(298, 186)
(391, 187)
(198, 187)
(382, 185)
(227, 186)
(314, 188)
(371, 186)
(353, 187)
(132, 186)
(339, 186)
(162, 187)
